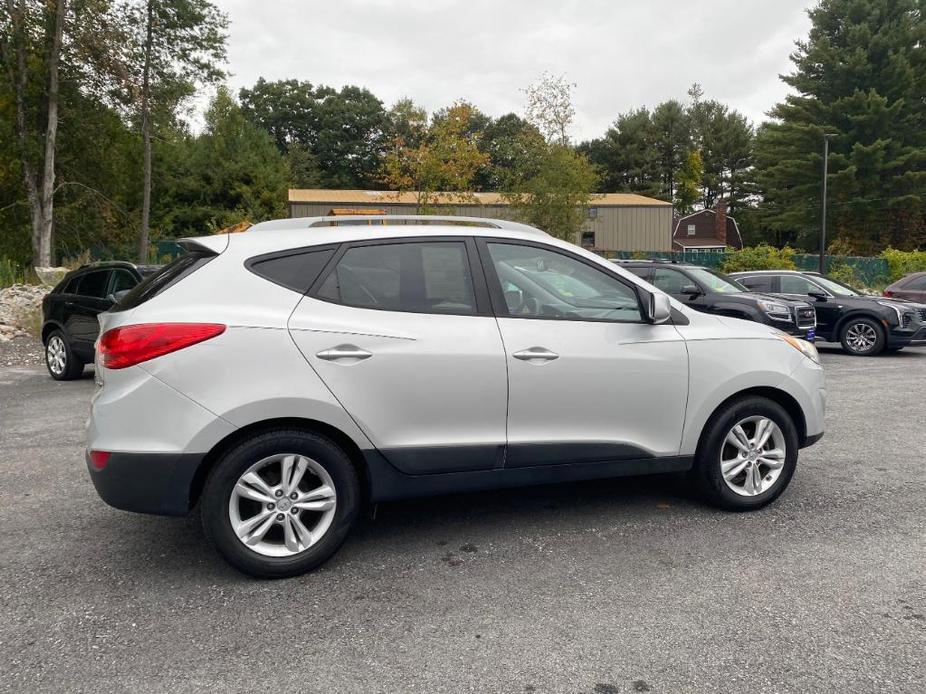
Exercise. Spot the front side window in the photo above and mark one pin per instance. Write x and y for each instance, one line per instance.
(122, 281)
(429, 277)
(837, 288)
(93, 284)
(537, 283)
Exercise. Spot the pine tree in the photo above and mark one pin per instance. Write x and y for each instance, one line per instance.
(861, 76)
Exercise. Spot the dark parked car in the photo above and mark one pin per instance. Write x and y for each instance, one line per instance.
(712, 292)
(70, 310)
(864, 325)
(911, 287)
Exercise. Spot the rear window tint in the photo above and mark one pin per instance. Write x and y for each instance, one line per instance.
(167, 276)
(296, 271)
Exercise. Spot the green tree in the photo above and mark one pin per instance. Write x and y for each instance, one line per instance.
(671, 142)
(861, 76)
(625, 157)
(345, 131)
(172, 47)
(230, 173)
(509, 142)
(554, 190)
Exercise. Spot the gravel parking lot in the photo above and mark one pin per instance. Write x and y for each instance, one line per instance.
(623, 586)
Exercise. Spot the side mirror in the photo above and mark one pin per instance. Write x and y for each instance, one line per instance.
(690, 290)
(819, 296)
(111, 298)
(658, 308)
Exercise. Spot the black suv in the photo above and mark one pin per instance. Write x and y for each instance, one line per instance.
(865, 325)
(712, 292)
(69, 312)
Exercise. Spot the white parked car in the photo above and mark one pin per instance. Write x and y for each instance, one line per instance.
(285, 376)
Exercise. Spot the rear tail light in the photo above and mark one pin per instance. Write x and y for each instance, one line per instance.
(133, 344)
(888, 292)
(98, 459)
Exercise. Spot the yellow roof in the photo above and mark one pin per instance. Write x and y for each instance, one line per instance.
(386, 197)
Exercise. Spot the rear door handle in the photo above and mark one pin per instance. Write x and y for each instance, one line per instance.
(536, 355)
(345, 353)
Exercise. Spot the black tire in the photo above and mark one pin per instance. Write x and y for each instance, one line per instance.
(225, 474)
(707, 472)
(862, 324)
(72, 367)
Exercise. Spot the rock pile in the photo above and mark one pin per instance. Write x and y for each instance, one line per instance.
(17, 304)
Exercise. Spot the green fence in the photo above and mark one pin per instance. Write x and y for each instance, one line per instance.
(869, 271)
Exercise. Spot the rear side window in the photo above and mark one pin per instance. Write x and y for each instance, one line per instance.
(167, 276)
(432, 277)
(93, 284)
(759, 283)
(70, 287)
(296, 271)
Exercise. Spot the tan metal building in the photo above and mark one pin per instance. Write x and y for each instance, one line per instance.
(614, 221)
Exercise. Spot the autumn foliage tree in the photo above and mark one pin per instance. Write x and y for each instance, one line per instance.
(446, 159)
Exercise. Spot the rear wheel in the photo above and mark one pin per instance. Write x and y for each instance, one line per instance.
(862, 337)
(747, 454)
(280, 503)
(60, 360)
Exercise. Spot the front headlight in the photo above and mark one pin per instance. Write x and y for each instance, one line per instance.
(775, 310)
(896, 310)
(802, 346)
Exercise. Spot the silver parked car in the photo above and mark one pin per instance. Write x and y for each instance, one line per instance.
(284, 376)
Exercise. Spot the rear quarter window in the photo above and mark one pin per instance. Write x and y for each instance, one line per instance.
(169, 275)
(293, 270)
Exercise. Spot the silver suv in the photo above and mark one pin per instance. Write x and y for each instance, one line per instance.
(285, 376)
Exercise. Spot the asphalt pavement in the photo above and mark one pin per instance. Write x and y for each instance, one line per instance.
(630, 585)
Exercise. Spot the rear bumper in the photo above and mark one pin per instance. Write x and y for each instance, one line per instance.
(158, 483)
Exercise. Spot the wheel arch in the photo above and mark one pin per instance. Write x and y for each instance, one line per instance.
(859, 313)
(338, 437)
(49, 327)
(776, 395)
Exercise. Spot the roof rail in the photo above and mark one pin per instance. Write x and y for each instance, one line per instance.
(396, 219)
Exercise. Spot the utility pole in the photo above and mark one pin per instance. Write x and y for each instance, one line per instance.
(826, 159)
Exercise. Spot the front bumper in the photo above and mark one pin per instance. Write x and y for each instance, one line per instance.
(158, 483)
(899, 337)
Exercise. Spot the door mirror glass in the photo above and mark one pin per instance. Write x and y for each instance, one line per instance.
(659, 309)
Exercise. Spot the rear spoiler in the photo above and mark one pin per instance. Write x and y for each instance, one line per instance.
(216, 244)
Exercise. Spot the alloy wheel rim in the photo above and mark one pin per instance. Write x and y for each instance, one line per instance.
(752, 456)
(282, 505)
(56, 355)
(861, 337)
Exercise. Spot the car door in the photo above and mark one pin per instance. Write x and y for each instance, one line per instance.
(402, 333)
(588, 379)
(83, 308)
(827, 308)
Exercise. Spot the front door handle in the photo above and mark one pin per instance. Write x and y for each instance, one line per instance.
(536, 355)
(345, 353)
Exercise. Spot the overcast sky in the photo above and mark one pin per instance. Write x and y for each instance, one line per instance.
(621, 54)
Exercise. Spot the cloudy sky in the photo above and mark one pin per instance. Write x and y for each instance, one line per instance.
(621, 54)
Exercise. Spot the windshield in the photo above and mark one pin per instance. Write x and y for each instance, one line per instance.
(836, 288)
(715, 281)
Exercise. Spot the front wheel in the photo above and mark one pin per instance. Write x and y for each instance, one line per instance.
(862, 337)
(747, 454)
(280, 503)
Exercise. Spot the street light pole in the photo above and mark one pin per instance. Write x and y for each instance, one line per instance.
(826, 159)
